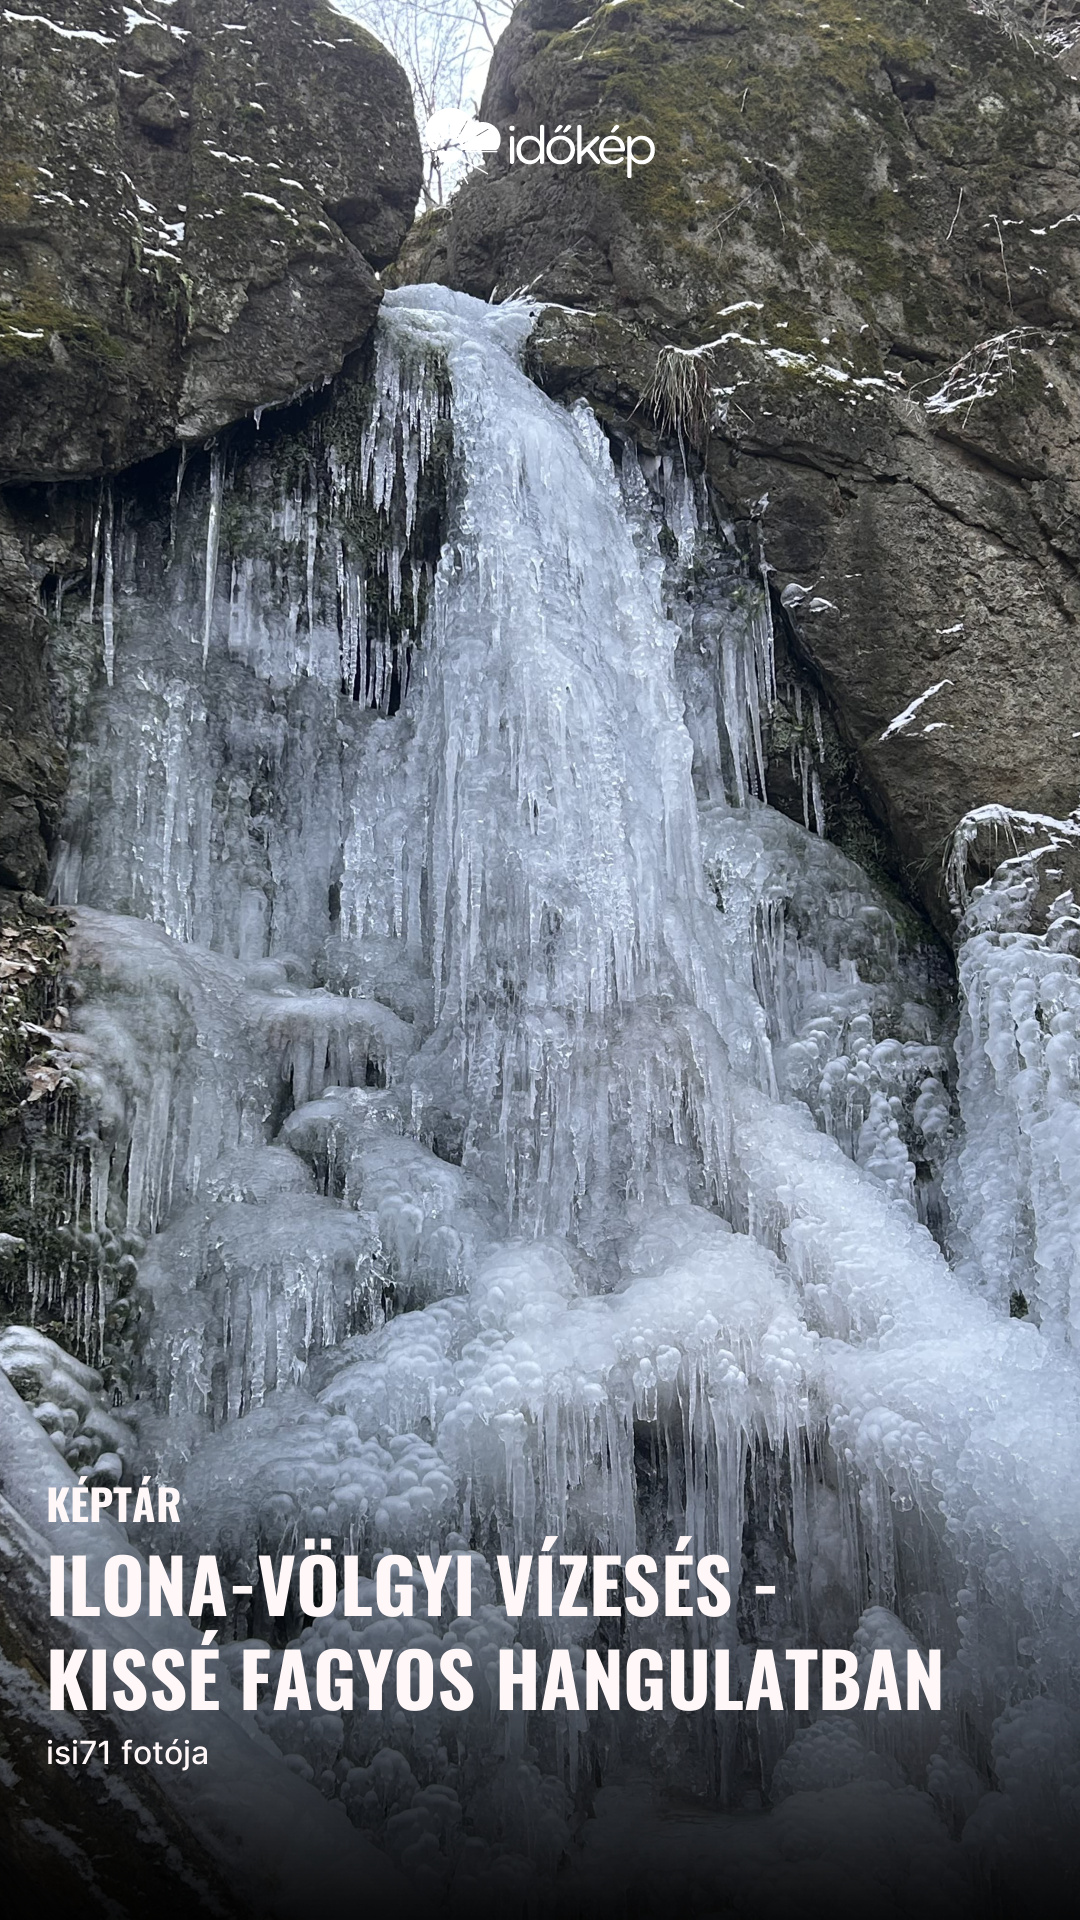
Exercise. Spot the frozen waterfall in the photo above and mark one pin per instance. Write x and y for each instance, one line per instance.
(520, 1129)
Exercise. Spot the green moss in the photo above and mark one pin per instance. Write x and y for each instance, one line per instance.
(18, 178)
(779, 132)
(27, 329)
(734, 146)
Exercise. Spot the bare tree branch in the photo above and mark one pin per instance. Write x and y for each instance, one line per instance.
(444, 47)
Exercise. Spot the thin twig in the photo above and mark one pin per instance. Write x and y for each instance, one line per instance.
(732, 211)
(490, 37)
(1004, 262)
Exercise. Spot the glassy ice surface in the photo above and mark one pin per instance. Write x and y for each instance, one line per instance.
(523, 1130)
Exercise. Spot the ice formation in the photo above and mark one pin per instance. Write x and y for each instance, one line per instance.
(532, 1132)
(1017, 1173)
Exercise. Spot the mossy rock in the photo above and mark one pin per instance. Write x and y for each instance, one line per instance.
(810, 156)
(850, 208)
(193, 215)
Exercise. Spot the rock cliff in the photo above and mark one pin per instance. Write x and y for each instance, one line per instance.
(195, 203)
(849, 278)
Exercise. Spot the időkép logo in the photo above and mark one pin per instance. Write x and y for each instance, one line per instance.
(565, 146)
(568, 146)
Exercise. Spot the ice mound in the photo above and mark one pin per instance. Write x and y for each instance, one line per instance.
(69, 1402)
(183, 1061)
(292, 1465)
(257, 1174)
(857, 1011)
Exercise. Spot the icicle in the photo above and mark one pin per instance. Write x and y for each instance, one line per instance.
(311, 547)
(174, 514)
(213, 534)
(107, 613)
(819, 803)
(95, 547)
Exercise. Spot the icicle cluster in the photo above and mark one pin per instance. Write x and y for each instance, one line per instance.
(573, 1174)
(1017, 1175)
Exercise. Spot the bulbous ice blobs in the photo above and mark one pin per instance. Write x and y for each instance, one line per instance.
(256, 1174)
(1025, 1832)
(242, 1295)
(293, 1467)
(37, 1367)
(954, 1785)
(404, 1377)
(419, 1489)
(394, 1773)
(435, 1223)
(522, 1286)
(909, 1738)
(106, 1471)
(277, 975)
(881, 1151)
(69, 1402)
(661, 1236)
(830, 1754)
(330, 1131)
(932, 1112)
(533, 1387)
(375, 1793)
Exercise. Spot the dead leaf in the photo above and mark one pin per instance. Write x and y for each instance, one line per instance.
(44, 1079)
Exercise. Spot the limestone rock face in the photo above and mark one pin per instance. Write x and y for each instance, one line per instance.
(866, 215)
(195, 201)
